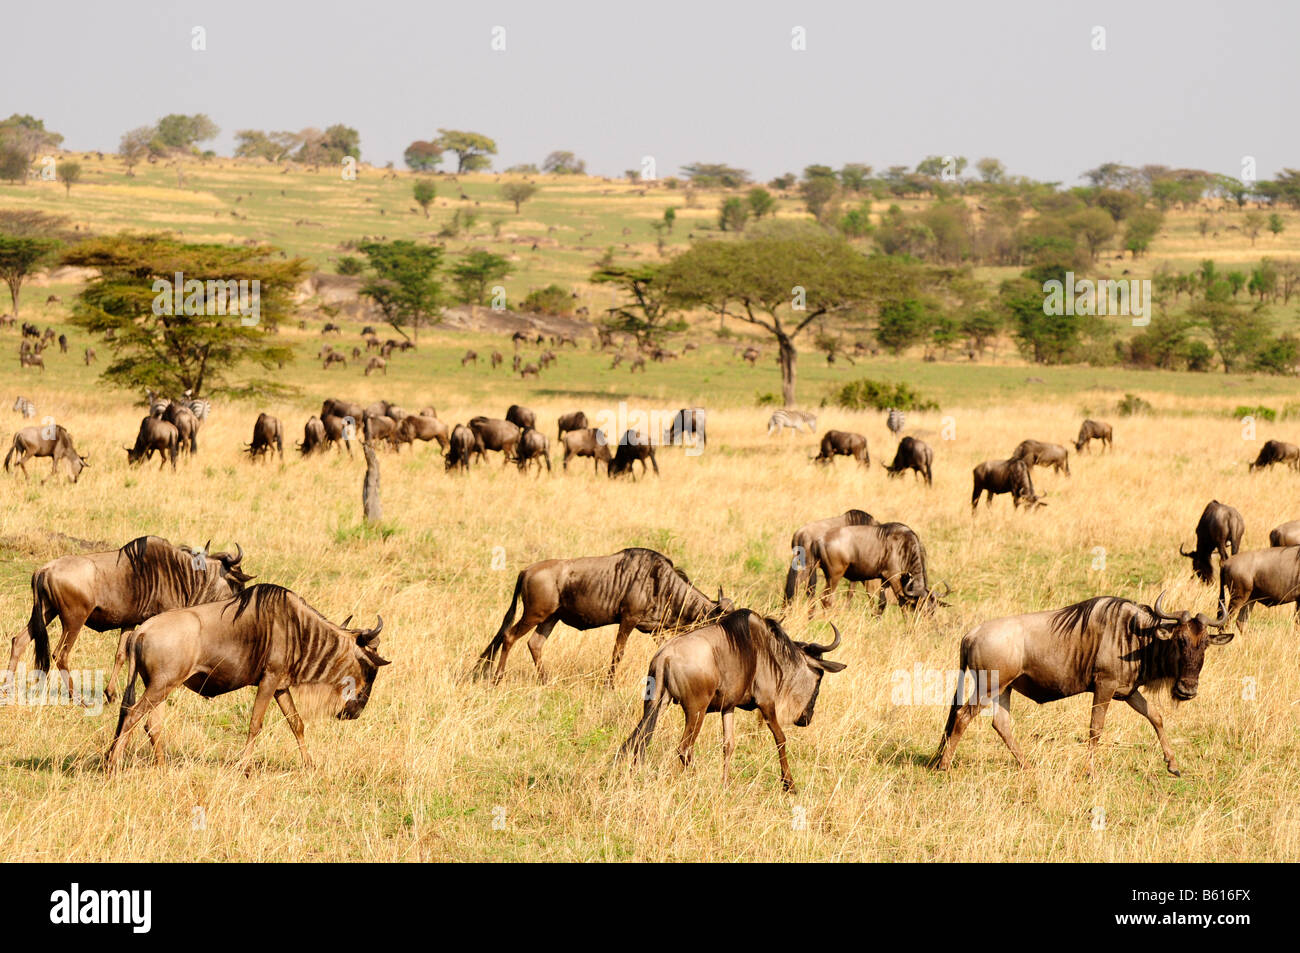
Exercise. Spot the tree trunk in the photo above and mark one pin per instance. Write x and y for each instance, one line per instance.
(370, 489)
(788, 357)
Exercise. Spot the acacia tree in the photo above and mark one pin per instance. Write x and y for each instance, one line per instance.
(28, 239)
(650, 301)
(472, 149)
(131, 305)
(424, 192)
(403, 284)
(518, 193)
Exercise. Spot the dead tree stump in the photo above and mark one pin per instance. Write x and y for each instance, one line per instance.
(370, 489)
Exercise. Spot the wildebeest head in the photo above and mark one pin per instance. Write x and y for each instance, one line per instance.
(802, 685)
(368, 661)
(1200, 562)
(1190, 635)
(222, 568)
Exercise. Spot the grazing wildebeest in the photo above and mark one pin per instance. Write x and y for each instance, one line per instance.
(49, 441)
(90, 356)
(63, 344)
(751, 355)
(791, 420)
(688, 428)
(470, 356)
(1004, 476)
(841, 443)
(500, 435)
(635, 588)
(121, 588)
(496, 360)
(32, 359)
(1110, 646)
(890, 552)
(586, 443)
(1035, 453)
(637, 364)
(332, 358)
(569, 422)
(376, 364)
(25, 407)
(187, 425)
(376, 428)
(313, 437)
(632, 446)
(741, 661)
(329, 326)
(268, 637)
(338, 429)
(802, 575)
(342, 409)
(155, 434)
(1288, 534)
(533, 448)
(1269, 577)
(912, 454)
(1219, 529)
(1093, 430)
(521, 416)
(528, 370)
(268, 437)
(420, 427)
(460, 447)
(1277, 451)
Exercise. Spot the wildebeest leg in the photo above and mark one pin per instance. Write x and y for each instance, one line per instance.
(1002, 725)
(1100, 702)
(265, 690)
(690, 731)
(728, 742)
(1139, 704)
(625, 627)
(153, 696)
(118, 661)
(787, 779)
(71, 629)
(285, 701)
(512, 635)
(538, 642)
(153, 728)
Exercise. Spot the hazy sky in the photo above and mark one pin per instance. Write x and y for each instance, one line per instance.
(1187, 84)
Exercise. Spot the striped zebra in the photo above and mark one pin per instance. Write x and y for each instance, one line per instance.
(25, 407)
(198, 406)
(791, 419)
(895, 421)
(157, 405)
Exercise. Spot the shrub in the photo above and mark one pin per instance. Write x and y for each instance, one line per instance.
(767, 400)
(351, 265)
(549, 300)
(1133, 404)
(867, 394)
(1259, 413)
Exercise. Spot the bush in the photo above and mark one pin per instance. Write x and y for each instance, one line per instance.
(350, 265)
(1259, 413)
(867, 394)
(549, 300)
(1131, 405)
(1199, 356)
(767, 400)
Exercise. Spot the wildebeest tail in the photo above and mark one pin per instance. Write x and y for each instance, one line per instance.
(128, 690)
(656, 699)
(958, 700)
(42, 610)
(10, 455)
(490, 653)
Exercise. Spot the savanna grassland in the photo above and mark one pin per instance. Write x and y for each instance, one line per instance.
(443, 767)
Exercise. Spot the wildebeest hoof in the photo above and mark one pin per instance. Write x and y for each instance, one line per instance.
(1174, 771)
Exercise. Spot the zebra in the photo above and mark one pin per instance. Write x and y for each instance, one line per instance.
(895, 421)
(198, 406)
(25, 407)
(791, 419)
(157, 405)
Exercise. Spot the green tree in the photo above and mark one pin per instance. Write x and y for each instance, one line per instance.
(424, 192)
(715, 175)
(130, 304)
(1093, 228)
(1276, 225)
(855, 177)
(563, 162)
(760, 202)
(1142, 227)
(422, 156)
(732, 215)
(13, 164)
(28, 137)
(177, 131)
(1238, 334)
(1043, 338)
(69, 173)
(28, 240)
(670, 217)
(404, 284)
(1252, 223)
(820, 191)
(475, 271)
(991, 170)
(903, 322)
(518, 193)
(134, 147)
(649, 299)
(472, 149)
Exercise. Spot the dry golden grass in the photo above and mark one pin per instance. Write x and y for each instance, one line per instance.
(442, 767)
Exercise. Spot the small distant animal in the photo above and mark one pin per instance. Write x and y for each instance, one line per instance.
(1093, 430)
(25, 407)
(470, 357)
(791, 420)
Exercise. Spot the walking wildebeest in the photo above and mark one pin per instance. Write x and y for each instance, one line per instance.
(841, 443)
(570, 422)
(1288, 534)
(1004, 476)
(266, 636)
(36, 442)
(120, 588)
(792, 420)
(1093, 430)
(460, 447)
(521, 416)
(421, 427)
(688, 428)
(912, 454)
(155, 434)
(186, 423)
(1035, 453)
(1110, 646)
(802, 575)
(534, 448)
(1219, 529)
(632, 446)
(890, 552)
(268, 437)
(590, 442)
(494, 434)
(635, 588)
(741, 661)
(1269, 577)
(313, 437)
(332, 358)
(1277, 451)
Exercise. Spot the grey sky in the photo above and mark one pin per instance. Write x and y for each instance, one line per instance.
(1188, 84)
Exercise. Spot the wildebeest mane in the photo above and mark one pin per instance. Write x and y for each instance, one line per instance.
(858, 518)
(778, 647)
(166, 575)
(313, 640)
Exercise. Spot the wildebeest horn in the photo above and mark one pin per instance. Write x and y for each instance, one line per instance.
(208, 545)
(1161, 614)
(816, 649)
(239, 555)
(347, 622)
(370, 635)
(1218, 623)
(1182, 553)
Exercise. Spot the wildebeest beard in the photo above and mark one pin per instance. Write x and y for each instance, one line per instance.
(167, 576)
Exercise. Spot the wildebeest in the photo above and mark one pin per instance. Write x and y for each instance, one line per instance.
(63, 344)
(25, 407)
(421, 427)
(155, 434)
(521, 416)
(32, 359)
(912, 454)
(802, 575)
(632, 446)
(120, 588)
(186, 423)
(841, 443)
(534, 448)
(49, 441)
(635, 588)
(570, 422)
(751, 355)
(332, 358)
(460, 447)
(376, 364)
(1219, 529)
(791, 420)
(313, 437)
(268, 637)
(1110, 646)
(1277, 451)
(268, 437)
(1004, 476)
(586, 443)
(376, 428)
(1288, 534)
(500, 435)
(470, 357)
(1267, 577)
(90, 357)
(741, 661)
(1036, 453)
(890, 552)
(495, 360)
(688, 428)
(1093, 430)
(333, 407)
(528, 370)
(339, 429)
